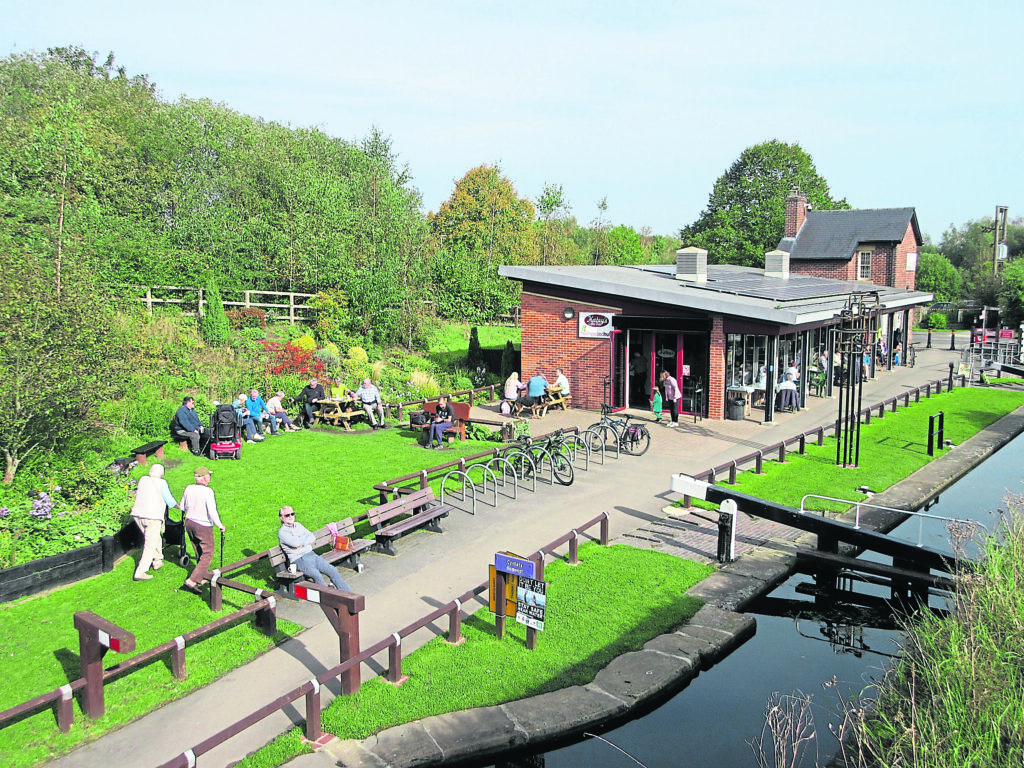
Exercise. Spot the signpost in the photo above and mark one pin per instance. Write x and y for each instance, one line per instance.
(519, 583)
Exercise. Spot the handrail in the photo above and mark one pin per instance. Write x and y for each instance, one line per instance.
(920, 515)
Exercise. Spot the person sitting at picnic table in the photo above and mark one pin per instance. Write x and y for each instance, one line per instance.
(535, 390)
(297, 542)
(794, 371)
(787, 392)
(443, 419)
(186, 426)
(561, 382)
(336, 389)
(369, 396)
(896, 350)
(308, 398)
(245, 420)
(513, 388)
(257, 408)
(152, 498)
(279, 413)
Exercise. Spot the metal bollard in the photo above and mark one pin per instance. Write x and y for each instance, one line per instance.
(929, 344)
(727, 531)
(952, 340)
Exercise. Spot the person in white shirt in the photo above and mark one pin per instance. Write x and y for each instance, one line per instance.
(152, 498)
(200, 507)
(562, 381)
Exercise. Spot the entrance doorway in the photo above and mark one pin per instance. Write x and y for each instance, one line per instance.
(649, 353)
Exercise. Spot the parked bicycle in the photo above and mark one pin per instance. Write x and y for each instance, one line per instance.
(530, 455)
(633, 439)
(911, 356)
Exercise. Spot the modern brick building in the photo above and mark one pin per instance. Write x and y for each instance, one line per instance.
(613, 329)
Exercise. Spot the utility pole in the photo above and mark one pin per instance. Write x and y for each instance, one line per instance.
(998, 231)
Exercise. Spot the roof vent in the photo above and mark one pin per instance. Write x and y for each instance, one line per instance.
(776, 264)
(692, 265)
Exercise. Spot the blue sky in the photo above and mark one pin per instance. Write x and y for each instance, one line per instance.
(899, 103)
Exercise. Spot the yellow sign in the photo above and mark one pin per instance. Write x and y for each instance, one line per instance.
(511, 589)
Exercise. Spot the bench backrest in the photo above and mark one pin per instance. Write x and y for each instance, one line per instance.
(404, 505)
(461, 410)
(324, 538)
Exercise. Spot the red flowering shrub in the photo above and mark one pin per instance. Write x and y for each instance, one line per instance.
(288, 358)
(247, 317)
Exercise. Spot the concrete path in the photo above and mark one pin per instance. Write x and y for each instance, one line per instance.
(432, 569)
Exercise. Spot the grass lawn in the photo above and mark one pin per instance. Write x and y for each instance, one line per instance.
(326, 475)
(890, 449)
(451, 342)
(592, 617)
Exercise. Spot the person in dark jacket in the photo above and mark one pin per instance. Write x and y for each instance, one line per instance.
(186, 426)
(444, 417)
(308, 398)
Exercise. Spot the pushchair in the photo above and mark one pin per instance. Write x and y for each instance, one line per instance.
(174, 536)
(226, 440)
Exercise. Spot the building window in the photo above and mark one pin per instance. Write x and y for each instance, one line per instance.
(864, 265)
(745, 360)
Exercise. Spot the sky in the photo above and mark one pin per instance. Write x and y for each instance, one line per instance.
(899, 103)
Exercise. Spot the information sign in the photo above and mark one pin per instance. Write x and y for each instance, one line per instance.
(531, 603)
(506, 562)
(511, 587)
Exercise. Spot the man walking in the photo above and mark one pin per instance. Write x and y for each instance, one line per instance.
(297, 542)
(152, 498)
(200, 507)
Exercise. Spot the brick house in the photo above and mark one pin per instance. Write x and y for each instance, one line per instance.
(877, 246)
(717, 328)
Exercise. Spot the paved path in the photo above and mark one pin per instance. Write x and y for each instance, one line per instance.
(430, 569)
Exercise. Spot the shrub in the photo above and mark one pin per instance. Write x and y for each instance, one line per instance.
(935, 320)
(214, 324)
(291, 358)
(247, 317)
(330, 360)
(474, 357)
(508, 359)
(306, 343)
(424, 385)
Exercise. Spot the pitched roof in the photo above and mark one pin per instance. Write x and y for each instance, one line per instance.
(836, 234)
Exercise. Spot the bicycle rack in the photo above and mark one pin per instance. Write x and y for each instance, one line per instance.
(536, 449)
(596, 434)
(533, 466)
(572, 443)
(605, 446)
(506, 469)
(485, 470)
(466, 482)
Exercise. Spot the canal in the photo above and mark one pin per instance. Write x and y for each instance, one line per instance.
(710, 723)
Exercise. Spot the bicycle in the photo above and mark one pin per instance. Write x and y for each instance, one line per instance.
(911, 356)
(633, 439)
(530, 455)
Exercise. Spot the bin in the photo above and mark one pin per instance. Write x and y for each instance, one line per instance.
(737, 408)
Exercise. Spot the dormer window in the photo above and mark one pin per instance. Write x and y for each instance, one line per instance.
(864, 265)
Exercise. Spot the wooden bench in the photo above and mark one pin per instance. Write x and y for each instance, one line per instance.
(423, 512)
(459, 422)
(155, 448)
(559, 400)
(324, 538)
(338, 412)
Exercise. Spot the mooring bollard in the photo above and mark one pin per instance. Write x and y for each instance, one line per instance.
(949, 388)
(929, 344)
(952, 340)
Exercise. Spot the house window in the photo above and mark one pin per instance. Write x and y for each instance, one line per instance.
(864, 265)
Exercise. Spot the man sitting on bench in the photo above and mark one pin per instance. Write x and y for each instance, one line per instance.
(186, 426)
(369, 396)
(535, 390)
(562, 382)
(297, 542)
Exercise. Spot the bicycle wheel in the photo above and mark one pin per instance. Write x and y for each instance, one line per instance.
(562, 469)
(607, 433)
(521, 464)
(636, 440)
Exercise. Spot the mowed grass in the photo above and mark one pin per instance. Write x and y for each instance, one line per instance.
(450, 343)
(325, 475)
(891, 448)
(593, 615)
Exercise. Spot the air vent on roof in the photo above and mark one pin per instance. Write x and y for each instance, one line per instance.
(692, 265)
(776, 264)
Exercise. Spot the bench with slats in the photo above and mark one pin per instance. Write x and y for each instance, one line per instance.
(420, 510)
(324, 538)
(459, 420)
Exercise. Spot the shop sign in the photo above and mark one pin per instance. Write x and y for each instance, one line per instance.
(595, 325)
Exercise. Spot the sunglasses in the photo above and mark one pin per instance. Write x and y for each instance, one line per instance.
(288, 514)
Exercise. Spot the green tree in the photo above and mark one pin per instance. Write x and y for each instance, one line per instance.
(61, 358)
(508, 359)
(599, 226)
(625, 246)
(1011, 294)
(936, 275)
(552, 207)
(746, 212)
(214, 324)
(474, 357)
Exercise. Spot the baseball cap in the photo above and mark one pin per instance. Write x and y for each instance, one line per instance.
(202, 472)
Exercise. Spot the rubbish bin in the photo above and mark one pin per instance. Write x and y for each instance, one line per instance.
(737, 407)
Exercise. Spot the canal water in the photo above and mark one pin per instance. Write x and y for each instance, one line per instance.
(711, 722)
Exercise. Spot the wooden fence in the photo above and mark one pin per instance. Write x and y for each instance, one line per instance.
(294, 308)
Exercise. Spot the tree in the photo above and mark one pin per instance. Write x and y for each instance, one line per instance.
(508, 359)
(1011, 295)
(551, 207)
(746, 212)
(61, 358)
(600, 228)
(214, 325)
(474, 357)
(624, 246)
(936, 275)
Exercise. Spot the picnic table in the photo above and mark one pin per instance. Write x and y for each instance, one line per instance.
(338, 411)
(556, 399)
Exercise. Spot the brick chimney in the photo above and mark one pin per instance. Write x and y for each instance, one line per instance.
(796, 211)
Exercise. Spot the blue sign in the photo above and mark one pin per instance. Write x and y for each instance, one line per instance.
(517, 566)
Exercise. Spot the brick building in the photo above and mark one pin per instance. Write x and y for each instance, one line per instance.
(716, 328)
(877, 246)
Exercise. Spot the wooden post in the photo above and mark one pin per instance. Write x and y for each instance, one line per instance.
(455, 623)
(605, 526)
(313, 727)
(531, 633)
(732, 473)
(803, 444)
(96, 636)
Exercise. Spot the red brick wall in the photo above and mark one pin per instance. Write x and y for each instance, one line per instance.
(888, 264)
(796, 213)
(550, 341)
(903, 278)
(716, 368)
(830, 268)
